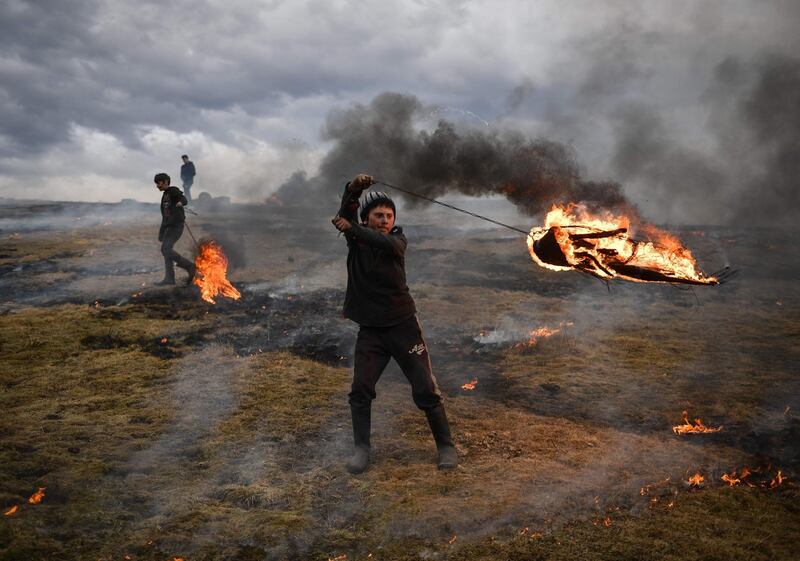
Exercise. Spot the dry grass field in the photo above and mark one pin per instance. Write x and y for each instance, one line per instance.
(164, 427)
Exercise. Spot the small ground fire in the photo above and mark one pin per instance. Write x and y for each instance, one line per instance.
(698, 427)
(212, 268)
(37, 497)
(470, 385)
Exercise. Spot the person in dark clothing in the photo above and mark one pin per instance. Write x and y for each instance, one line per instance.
(187, 176)
(172, 222)
(378, 299)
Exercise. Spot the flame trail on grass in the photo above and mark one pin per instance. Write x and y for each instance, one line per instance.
(696, 428)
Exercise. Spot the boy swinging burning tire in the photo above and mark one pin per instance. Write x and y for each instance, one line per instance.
(378, 300)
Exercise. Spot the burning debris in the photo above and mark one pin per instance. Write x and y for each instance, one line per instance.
(696, 479)
(469, 386)
(689, 428)
(762, 478)
(732, 480)
(34, 499)
(212, 268)
(37, 497)
(575, 239)
(543, 332)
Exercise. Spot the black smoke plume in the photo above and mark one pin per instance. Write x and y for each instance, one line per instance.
(385, 139)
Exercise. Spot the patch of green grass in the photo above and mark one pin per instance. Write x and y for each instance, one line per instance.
(284, 395)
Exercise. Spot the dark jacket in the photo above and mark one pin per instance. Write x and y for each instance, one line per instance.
(377, 293)
(171, 214)
(188, 171)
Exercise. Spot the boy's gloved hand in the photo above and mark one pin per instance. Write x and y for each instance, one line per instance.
(360, 182)
(341, 224)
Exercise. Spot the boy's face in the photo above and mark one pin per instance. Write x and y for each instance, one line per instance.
(381, 218)
(162, 184)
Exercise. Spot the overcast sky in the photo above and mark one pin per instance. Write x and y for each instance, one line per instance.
(97, 96)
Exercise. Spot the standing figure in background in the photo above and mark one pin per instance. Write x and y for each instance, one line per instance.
(378, 300)
(187, 176)
(172, 222)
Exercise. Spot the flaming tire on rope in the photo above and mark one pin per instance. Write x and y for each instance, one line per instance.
(573, 239)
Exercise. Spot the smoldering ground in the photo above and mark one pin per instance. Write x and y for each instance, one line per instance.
(220, 431)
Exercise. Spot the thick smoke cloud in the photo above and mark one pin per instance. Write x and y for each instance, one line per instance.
(749, 173)
(771, 114)
(386, 139)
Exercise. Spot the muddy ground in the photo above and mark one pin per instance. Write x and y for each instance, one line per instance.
(162, 426)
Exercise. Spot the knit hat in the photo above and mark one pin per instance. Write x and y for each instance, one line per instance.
(373, 199)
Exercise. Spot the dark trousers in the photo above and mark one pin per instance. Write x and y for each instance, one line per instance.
(404, 343)
(187, 189)
(169, 236)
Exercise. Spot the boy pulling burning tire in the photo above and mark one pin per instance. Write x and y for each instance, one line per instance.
(378, 300)
(173, 219)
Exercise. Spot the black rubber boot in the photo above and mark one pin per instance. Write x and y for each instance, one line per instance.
(169, 273)
(361, 429)
(440, 427)
(192, 272)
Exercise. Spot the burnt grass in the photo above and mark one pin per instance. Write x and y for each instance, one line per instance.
(164, 426)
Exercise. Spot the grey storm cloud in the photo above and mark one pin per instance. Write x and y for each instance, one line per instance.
(680, 103)
(114, 67)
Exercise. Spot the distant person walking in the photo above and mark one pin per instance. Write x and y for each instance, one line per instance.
(172, 222)
(187, 176)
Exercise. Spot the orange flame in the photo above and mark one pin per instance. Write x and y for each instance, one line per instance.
(777, 480)
(696, 479)
(212, 266)
(37, 497)
(731, 479)
(164, 340)
(12, 510)
(689, 428)
(470, 385)
(646, 489)
(543, 332)
(600, 244)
